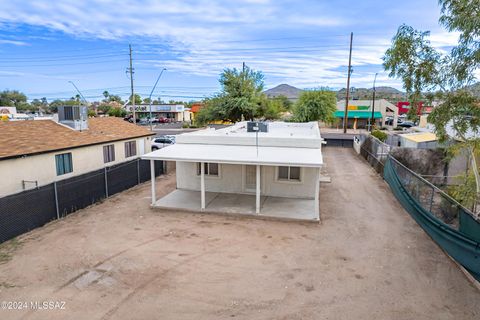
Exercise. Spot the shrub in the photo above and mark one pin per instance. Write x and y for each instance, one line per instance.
(380, 135)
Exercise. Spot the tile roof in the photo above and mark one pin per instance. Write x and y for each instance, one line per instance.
(19, 138)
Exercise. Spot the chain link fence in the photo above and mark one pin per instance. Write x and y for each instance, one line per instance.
(430, 197)
(27, 210)
(375, 152)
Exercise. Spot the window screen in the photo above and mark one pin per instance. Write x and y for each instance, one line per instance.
(211, 169)
(109, 153)
(130, 149)
(289, 173)
(63, 163)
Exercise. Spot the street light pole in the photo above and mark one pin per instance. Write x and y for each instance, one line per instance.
(81, 95)
(372, 122)
(150, 97)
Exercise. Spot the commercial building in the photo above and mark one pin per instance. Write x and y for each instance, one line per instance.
(39, 152)
(360, 112)
(265, 169)
(175, 112)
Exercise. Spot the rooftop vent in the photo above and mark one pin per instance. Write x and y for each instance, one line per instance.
(73, 116)
(254, 126)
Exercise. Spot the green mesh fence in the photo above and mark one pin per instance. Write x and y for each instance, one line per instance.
(450, 225)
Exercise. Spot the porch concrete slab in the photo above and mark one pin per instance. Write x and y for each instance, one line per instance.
(184, 199)
(289, 208)
(242, 204)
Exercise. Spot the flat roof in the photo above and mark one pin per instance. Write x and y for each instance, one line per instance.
(239, 154)
(420, 137)
(276, 129)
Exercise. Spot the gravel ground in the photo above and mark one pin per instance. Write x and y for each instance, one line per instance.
(121, 260)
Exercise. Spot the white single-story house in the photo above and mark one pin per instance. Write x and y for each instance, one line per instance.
(34, 153)
(271, 172)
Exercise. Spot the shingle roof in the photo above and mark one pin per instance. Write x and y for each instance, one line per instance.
(19, 138)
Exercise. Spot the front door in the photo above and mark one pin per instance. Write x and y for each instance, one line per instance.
(250, 178)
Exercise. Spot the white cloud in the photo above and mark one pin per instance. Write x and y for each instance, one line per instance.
(203, 37)
(14, 42)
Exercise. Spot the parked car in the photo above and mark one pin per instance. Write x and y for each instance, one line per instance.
(164, 120)
(129, 118)
(406, 124)
(162, 142)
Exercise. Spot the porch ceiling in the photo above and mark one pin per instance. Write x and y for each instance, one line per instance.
(239, 154)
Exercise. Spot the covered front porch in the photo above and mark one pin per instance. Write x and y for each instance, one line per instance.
(242, 204)
(284, 199)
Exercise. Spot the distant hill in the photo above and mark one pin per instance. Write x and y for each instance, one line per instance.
(389, 93)
(475, 89)
(291, 92)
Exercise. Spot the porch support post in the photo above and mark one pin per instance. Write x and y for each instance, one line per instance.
(152, 174)
(317, 194)
(257, 204)
(202, 185)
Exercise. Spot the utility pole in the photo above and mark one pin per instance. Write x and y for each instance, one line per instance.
(372, 122)
(345, 116)
(131, 85)
(150, 97)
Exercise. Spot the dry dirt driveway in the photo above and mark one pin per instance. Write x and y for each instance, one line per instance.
(120, 260)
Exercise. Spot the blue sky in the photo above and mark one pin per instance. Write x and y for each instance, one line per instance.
(303, 43)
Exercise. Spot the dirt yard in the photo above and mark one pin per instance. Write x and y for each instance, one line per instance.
(120, 260)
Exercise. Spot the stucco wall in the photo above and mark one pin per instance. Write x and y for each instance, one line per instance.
(231, 179)
(42, 167)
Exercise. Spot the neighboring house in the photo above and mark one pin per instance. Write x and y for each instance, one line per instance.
(418, 140)
(231, 170)
(176, 112)
(360, 112)
(38, 152)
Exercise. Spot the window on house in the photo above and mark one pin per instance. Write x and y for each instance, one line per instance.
(211, 169)
(63, 163)
(108, 153)
(289, 173)
(130, 149)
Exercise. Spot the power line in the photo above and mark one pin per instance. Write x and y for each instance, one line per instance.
(87, 56)
(60, 64)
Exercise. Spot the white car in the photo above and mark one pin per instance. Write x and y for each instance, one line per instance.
(162, 142)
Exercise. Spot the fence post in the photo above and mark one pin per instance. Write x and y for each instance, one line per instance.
(106, 183)
(56, 199)
(138, 170)
(431, 199)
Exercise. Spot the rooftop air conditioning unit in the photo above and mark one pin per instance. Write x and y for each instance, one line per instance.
(73, 116)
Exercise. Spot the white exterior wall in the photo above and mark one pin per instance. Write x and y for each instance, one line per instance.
(231, 179)
(42, 167)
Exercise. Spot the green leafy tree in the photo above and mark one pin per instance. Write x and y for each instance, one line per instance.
(12, 98)
(286, 103)
(463, 16)
(421, 68)
(106, 94)
(239, 99)
(412, 59)
(117, 112)
(315, 105)
(104, 108)
(138, 99)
